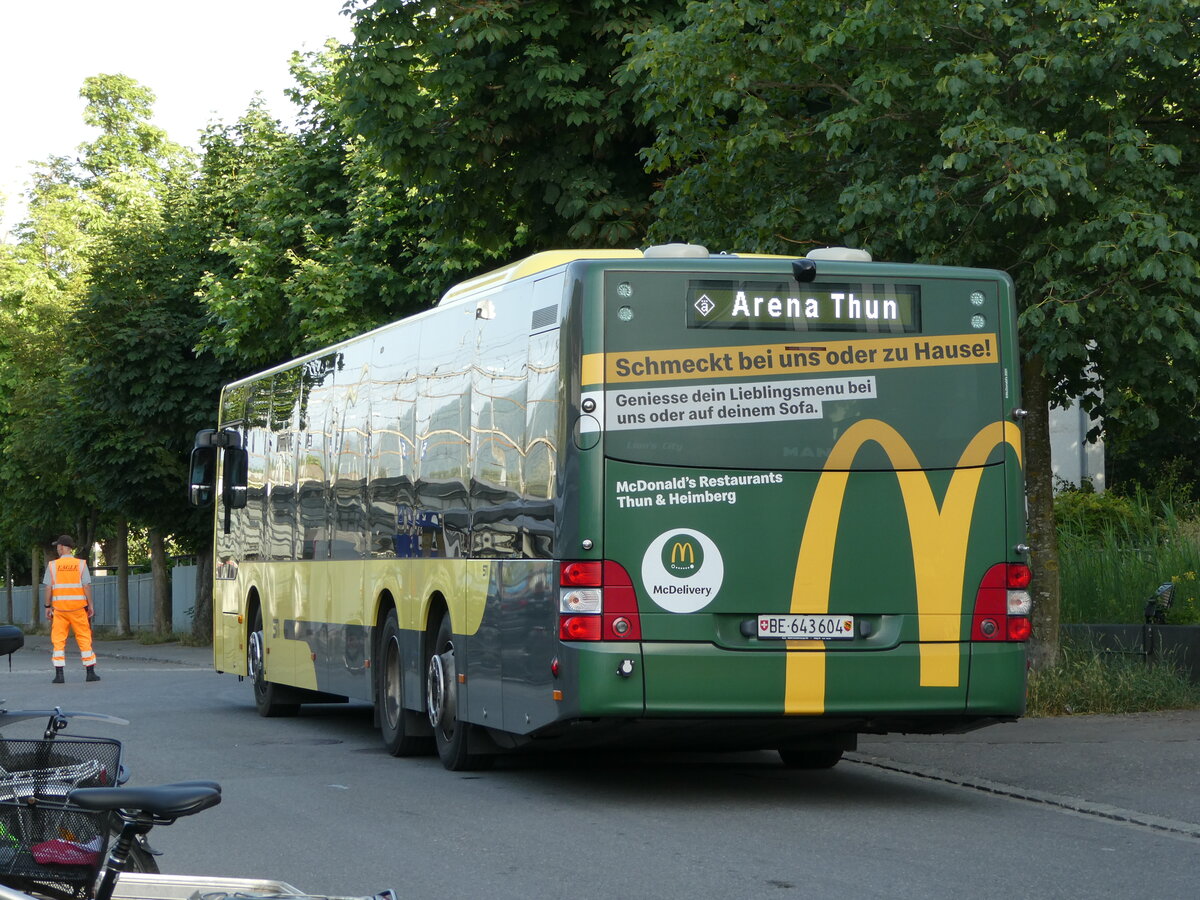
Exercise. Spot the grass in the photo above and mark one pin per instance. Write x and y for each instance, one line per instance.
(186, 638)
(1113, 554)
(1088, 682)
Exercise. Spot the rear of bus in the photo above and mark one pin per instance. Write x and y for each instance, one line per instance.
(811, 502)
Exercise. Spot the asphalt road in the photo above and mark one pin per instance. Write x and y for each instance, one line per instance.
(1078, 807)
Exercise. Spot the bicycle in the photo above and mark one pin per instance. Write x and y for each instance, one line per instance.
(140, 809)
(48, 843)
(35, 778)
(64, 808)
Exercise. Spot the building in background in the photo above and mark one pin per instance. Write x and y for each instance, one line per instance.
(1072, 458)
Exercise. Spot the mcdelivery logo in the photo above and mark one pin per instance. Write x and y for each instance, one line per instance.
(682, 570)
(682, 556)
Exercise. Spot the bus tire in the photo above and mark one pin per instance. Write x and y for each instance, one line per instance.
(266, 694)
(810, 758)
(396, 722)
(451, 735)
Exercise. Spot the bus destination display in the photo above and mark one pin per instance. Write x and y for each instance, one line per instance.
(783, 305)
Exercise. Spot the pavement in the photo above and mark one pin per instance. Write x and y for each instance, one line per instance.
(172, 652)
(1140, 769)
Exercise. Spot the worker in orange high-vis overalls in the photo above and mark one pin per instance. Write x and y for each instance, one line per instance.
(67, 596)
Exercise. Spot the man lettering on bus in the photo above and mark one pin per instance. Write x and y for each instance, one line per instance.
(67, 596)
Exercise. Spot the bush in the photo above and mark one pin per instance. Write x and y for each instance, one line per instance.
(1085, 515)
(1114, 552)
(1087, 681)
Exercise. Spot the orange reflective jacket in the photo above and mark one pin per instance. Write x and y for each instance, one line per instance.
(66, 583)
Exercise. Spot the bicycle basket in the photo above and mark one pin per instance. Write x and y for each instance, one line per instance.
(47, 845)
(49, 769)
(51, 847)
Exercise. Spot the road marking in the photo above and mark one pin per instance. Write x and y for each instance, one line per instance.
(1070, 804)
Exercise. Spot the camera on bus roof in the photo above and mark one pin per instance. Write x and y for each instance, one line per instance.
(804, 270)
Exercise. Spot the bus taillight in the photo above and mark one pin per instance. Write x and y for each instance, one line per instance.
(596, 601)
(621, 619)
(1002, 605)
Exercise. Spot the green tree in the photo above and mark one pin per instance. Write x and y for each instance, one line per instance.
(313, 240)
(99, 383)
(506, 122)
(1056, 139)
(44, 277)
(139, 389)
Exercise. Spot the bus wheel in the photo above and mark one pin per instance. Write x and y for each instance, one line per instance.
(395, 722)
(818, 758)
(266, 700)
(453, 737)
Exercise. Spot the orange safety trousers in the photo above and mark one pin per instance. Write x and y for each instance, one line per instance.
(64, 620)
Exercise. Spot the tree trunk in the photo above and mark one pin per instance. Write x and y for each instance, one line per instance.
(120, 544)
(162, 583)
(35, 591)
(8, 584)
(202, 619)
(1043, 536)
(85, 535)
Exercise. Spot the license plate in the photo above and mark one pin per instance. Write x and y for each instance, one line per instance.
(806, 628)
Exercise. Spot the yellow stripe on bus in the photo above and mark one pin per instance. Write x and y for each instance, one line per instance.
(811, 358)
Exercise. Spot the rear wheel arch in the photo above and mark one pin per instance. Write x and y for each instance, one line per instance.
(458, 741)
(270, 699)
(253, 608)
(253, 605)
(384, 604)
(435, 609)
(405, 732)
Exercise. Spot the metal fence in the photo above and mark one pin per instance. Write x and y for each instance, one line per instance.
(104, 596)
(1178, 643)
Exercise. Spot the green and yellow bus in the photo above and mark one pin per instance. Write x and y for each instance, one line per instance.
(659, 498)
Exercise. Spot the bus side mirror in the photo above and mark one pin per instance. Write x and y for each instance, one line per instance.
(203, 476)
(235, 476)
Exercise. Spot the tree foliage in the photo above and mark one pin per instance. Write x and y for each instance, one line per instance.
(313, 241)
(1056, 139)
(44, 278)
(96, 330)
(506, 121)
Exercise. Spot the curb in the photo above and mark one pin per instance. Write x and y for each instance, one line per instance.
(1030, 795)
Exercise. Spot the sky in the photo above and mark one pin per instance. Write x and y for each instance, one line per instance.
(203, 59)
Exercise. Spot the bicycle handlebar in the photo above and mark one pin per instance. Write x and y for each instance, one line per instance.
(12, 716)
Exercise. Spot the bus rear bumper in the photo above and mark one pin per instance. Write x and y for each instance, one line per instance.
(699, 696)
(689, 679)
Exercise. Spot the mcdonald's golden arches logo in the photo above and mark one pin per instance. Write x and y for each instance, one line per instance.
(939, 546)
(682, 555)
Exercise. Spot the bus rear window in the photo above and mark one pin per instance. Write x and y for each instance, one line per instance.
(757, 304)
(752, 369)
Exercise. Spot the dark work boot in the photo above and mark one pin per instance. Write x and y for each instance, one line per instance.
(58, 676)
(91, 673)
